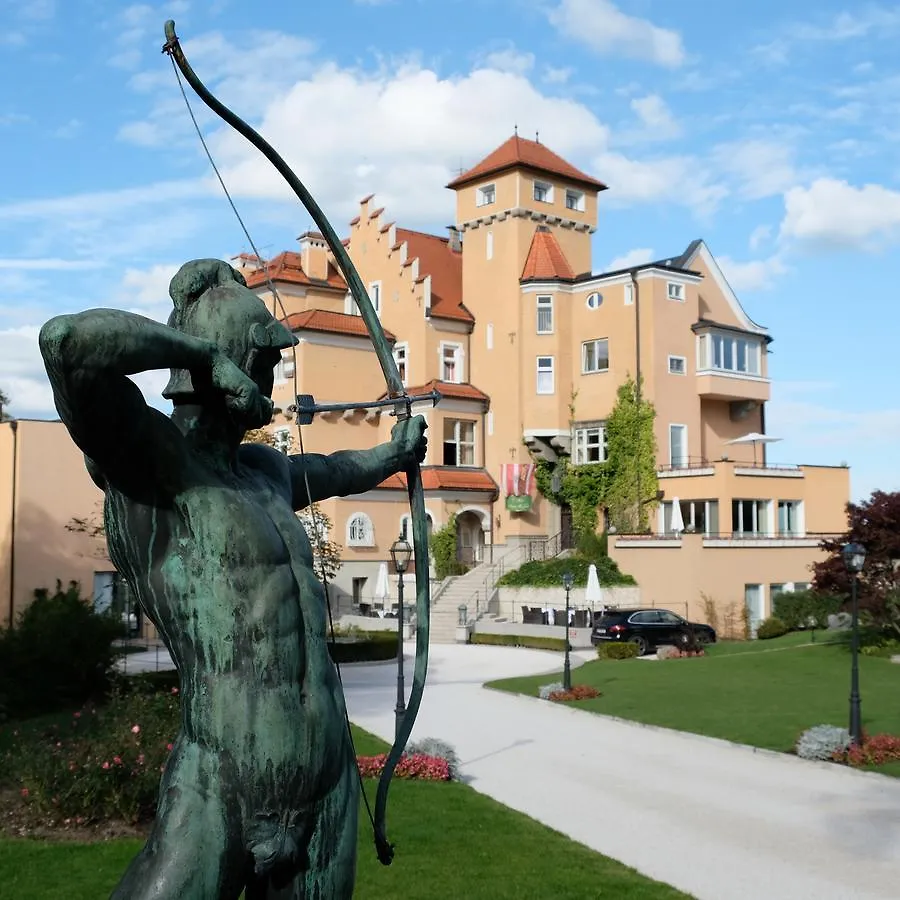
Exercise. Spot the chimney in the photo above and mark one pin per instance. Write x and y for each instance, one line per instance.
(314, 255)
(455, 239)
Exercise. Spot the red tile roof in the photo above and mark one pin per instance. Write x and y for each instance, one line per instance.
(445, 268)
(449, 390)
(518, 151)
(287, 267)
(546, 261)
(447, 478)
(332, 322)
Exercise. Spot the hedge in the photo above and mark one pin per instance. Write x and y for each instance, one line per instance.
(625, 650)
(519, 640)
(549, 573)
(376, 646)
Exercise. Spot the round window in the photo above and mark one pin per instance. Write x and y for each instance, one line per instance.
(594, 300)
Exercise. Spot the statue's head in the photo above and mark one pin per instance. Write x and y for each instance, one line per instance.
(212, 301)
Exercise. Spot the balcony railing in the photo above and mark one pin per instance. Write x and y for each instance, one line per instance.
(691, 464)
(732, 537)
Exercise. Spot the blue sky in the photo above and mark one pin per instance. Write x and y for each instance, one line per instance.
(768, 129)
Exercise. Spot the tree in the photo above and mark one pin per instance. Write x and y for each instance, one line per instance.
(326, 553)
(875, 524)
(4, 403)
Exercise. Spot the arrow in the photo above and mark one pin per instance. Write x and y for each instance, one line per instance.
(306, 406)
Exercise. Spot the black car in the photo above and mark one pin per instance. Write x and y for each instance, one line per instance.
(649, 629)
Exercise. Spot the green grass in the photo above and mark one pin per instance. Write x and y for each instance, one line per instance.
(762, 693)
(450, 842)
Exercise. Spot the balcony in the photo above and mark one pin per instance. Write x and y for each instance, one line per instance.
(718, 384)
(732, 540)
(699, 467)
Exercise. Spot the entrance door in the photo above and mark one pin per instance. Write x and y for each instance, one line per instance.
(755, 601)
(470, 539)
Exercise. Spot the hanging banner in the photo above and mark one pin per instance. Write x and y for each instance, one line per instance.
(518, 482)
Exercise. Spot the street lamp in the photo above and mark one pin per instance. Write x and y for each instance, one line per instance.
(854, 559)
(400, 554)
(567, 580)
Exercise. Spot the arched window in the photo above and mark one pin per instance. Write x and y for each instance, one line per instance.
(360, 532)
(406, 531)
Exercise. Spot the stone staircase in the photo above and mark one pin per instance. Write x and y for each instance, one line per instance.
(474, 590)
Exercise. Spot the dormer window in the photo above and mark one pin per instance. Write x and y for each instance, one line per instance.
(486, 195)
(543, 192)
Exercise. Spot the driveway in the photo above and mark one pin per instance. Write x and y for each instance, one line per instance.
(718, 821)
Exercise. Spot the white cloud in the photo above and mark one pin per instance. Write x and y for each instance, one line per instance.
(656, 117)
(146, 291)
(69, 129)
(834, 212)
(604, 28)
(508, 59)
(22, 375)
(759, 236)
(37, 10)
(761, 168)
(752, 275)
(554, 75)
(50, 265)
(636, 257)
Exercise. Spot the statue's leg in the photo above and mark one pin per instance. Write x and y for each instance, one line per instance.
(194, 851)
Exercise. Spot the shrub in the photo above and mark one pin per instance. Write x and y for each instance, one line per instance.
(822, 742)
(803, 609)
(376, 646)
(547, 690)
(577, 692)
(549, 573)
(874, 751)
(669, 652)
(534, 642)
(425, 768)
(617, 651)
(443, 551)
(438, 749)
(772, 627)
(59, 654)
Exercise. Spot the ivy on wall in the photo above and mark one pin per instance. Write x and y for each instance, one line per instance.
(623, 483)
(443, 550)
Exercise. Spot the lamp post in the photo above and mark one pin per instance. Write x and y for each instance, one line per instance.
(401, 552)
(567, 671)
(854, 559)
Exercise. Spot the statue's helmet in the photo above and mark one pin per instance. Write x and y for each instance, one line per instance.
(212, 301)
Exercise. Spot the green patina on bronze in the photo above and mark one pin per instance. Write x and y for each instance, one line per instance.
(261, 790)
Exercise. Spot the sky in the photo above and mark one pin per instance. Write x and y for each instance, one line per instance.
(768, 129)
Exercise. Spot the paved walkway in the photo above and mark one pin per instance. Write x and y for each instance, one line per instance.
(718, 821)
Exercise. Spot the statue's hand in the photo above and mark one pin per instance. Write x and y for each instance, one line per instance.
(242, 394)
(409, 438)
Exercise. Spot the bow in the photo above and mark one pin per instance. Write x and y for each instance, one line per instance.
(402, 408)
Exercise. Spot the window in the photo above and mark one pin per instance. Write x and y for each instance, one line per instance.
(594, 301)
(589, 445)
(459, 442)
(678, 446)
(543, 192)
(698, 516)
(375, 295)
(730, 354)
(406, 527)
(749, 518)
(789, 517)
(574, 200)
(648, 617)
(358, 587)
(490, 423)
(489, 336)
(545, 315)
(675, 291)
(754, 600)
(401, 357)
(360, 532)
(486, 195)
(595, 356)
(545, 379)
(451, 363)
(489, 245)
(629, 294)
(677, 365)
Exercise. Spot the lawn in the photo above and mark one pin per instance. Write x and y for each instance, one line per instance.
(450, 842)
(762, 693)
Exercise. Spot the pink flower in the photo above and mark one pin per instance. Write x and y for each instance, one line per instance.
(78, 820)
(135, 729)
(24, 792)
(170, 747)
(174, 690)
(117, 760)
(77, 715)
(58, 744)
(105, 765)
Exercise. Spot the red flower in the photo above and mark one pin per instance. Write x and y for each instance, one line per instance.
(24, 792)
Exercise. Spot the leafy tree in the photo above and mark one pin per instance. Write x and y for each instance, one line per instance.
(4, 403)
(875, 524)
(326, 553)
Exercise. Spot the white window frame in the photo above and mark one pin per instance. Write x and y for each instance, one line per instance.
(361, 534)
(760, 515)
(680, 359)
(375, 295)
(586, 437)
(675, 291)
(796, 515)
(401, 358)
(486, 194)
(594, 300)
(544, 187)
(629, 293)
(490, 423)
(597, 358)
(690, 520)
(543, 304)
(720, 352)
(577, 198)
(546, 370)
(457, 440)
(457, 351)
(685, 457)
(489, 245)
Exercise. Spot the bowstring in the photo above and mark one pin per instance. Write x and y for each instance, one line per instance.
(313, 517)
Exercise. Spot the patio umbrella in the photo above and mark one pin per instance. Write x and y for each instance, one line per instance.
(754, 438)
(593, 592)
(677, 518)
(382, 586)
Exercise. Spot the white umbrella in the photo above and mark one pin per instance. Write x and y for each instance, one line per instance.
(677, 518)
(593, 592)
(754, 438)
(382, 586)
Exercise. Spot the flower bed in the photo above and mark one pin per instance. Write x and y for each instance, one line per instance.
(411, 765)
(557, 692)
